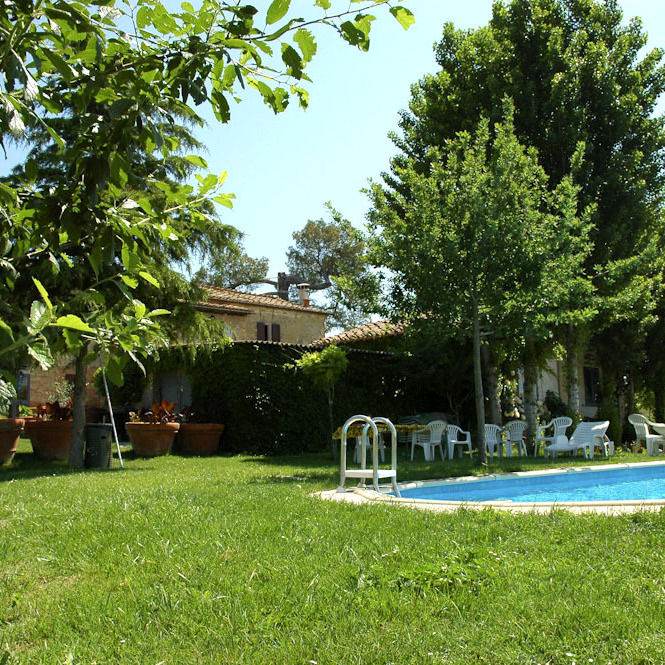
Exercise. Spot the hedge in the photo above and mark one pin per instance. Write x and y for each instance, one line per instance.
(268, 408)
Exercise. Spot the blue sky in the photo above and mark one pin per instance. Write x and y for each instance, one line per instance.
(283, 168)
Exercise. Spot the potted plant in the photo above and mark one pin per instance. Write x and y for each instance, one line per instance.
(10, 432)
(197, 436)
(51, 430)
(152, 431)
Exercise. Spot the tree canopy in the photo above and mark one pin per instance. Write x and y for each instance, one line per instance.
(473, 251)
(122, 72)
(578, 78)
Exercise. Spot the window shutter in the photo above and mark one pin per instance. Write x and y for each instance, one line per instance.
(275, 333)
(261, 331)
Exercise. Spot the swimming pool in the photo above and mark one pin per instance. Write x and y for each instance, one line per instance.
(618, 483)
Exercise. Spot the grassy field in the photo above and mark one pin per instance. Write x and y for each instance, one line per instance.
(230, 560)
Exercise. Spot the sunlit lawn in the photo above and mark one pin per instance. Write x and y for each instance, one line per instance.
(231, 560)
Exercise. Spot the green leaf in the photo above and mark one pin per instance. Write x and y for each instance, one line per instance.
(197, 161)
(277, 11)
(114, 371)
(224, 199)
(42, 292)
(55, 136)
(149, 278)
(159, 312)
(292, 60)
(404, 16)
(130, 258)
(7, 395)
(40, 314)
(72, 338)
(325, 4)
(74, 322)
(139, 309)
(305, 39)
(41, 353)
(4, 326)
(31, 170)
(130, 281)
(120, 107)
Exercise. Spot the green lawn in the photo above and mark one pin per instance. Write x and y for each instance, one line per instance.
(230, 560)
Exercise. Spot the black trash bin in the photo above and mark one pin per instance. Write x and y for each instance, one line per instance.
(98, 438)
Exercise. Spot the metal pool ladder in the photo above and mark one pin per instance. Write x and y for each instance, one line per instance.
(374, 473)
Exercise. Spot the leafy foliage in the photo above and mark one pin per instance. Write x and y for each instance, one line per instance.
(579, 78)
(122, 72)
(332, 257)
(470, 244)
(233, 268)
(268, 408)
(324, 367)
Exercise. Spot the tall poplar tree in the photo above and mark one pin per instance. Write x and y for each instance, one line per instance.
(471, 244)
(578, 75)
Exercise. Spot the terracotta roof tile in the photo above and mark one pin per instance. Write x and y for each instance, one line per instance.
(372, 330)
(229, 298)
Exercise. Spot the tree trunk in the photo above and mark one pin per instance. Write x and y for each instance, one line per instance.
(492, 381)
(572, 371)
(530, 379)
(77, 447)
(478, 389)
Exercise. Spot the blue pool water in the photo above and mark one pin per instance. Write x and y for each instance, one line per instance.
(610, 484)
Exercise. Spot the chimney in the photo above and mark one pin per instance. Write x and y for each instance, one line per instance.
(303, 294)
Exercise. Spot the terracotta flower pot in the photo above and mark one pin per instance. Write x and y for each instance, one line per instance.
(50, 438)
(199, 438)
(151, 440)
(10, 431)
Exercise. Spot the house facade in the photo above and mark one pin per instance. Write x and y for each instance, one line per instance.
(252, 316)
(248, 317)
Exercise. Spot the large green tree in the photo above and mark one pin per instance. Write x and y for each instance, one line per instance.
(470, 245)
(116, 67)
(577, 74)
(328, 254)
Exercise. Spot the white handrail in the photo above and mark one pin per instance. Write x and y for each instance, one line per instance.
(364, 473)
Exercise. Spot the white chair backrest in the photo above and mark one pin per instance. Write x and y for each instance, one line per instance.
(452, 431)
(640, 423)
(492, 433)
(515, 429)
(561, 424)
(588, 431)
(436, 429)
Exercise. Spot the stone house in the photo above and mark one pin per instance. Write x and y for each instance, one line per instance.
(248, 316)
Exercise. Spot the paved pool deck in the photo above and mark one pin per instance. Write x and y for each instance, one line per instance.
(365, 496)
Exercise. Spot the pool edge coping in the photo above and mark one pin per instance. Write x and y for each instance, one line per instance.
(365, 495)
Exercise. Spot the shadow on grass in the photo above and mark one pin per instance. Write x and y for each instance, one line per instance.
(322, 467)
(26, 466)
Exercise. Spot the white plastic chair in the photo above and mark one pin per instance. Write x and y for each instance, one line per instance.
(456, 436)
(514, 431)
(493, 439)
(559, 426)
(586, 437)
(429, 438)
(641, 424)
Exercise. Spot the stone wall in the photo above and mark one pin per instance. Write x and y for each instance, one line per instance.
(296, 326)
(42, 383)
